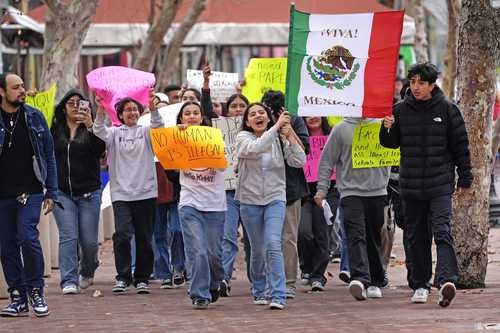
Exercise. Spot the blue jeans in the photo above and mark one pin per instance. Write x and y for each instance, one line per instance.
(344, 250)
(19, 235)
(161, 249)
(202, 233)
(264, 226)
(78, 225)
(175, 239)
(230, 241)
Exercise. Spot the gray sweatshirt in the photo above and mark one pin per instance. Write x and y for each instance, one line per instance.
(132, 173)
(364, 182)
(261, 166)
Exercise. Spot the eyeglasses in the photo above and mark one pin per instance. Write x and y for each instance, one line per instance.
(131, 109)
(73, 104)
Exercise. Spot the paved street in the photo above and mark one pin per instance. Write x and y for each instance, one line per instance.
(331, 311)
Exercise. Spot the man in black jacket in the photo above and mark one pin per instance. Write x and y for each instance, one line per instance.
(432, 136)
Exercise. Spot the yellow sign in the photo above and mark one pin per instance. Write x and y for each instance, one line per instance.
(367, 151)
(194, 147)
(263, 74)
(45, 102)
(334, 120)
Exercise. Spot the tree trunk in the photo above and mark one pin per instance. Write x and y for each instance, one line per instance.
(450, 62)
(169, 63)
(478, 48)
(421, 43)
(65, 29)
(154, 39)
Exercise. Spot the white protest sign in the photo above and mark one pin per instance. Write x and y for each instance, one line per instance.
(168, 113)
(229, 127)
(222, 84)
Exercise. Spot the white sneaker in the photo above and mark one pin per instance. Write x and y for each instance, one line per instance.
(446, 294)
(86, 282)
(70, 289)
(420, 296)
(357, 290)
(276, 306)
(373, 292)
(260, 301)
(142, 288)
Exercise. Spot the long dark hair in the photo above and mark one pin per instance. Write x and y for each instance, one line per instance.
(325, 126)
(245, 127)
(204, 121)
(231, 99)
(195, 91)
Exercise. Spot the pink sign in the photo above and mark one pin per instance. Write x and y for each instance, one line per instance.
(312, 164)
(113, 83)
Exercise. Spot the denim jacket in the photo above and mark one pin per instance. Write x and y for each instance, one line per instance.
(44, 161)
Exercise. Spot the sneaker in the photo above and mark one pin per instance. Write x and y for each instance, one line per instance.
(167, 284)
(420, 296)
(373, 292)
(142, 288)
(335, 260)
(179, 279)
(446, 294)
(260, 301)
(274, 305)
(304, 279)
(37, 301)
(70, 289)
(357, 290)
(345, 276)
(317, 286)
(200, 304)
(214, 294)
(120, 287)
(86, 282)
(224, 289)
(18, 306)
(290, 292)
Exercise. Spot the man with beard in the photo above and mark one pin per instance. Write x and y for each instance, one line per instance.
(28, 180)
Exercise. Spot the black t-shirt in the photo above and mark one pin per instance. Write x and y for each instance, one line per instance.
(16, 159)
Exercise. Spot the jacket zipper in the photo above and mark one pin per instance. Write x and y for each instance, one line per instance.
(69, 172)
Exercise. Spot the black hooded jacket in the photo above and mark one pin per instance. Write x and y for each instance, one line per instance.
(78, 160)
(434, 143)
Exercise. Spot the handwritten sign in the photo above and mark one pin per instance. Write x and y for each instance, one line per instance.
(168, 113)
(45, 102)
(229, 127)
(263, 74)
(312, 163)
(194, 147)
(113, 83)
(222, 85)
(367, 152)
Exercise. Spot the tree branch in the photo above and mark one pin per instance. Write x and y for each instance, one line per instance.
(57, 7)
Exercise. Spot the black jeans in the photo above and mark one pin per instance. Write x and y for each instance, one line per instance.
(313, 242)
(134, 218)
(363, 219)
(425, 219)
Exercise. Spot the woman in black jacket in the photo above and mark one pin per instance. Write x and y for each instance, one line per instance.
(78, 152)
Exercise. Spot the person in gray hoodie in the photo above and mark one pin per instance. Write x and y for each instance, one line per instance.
(134, 189)
(362, 197)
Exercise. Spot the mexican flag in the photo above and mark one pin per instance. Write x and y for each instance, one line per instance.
(342, 64)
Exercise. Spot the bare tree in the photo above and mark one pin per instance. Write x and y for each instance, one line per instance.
(66, 26)
(450, 62)
(478, 51)
(151, 45)
(169, 61)
(421, 43)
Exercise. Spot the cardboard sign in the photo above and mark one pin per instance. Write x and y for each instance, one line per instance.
(45, 102)
(194, 147)
(222, 85)
(113, 83)
(367, 152)
(263, 74)
(229, 127)
(312, 162)
(168, 113)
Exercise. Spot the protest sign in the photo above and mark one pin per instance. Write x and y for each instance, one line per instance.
(168, 113)
(229, 127)
(263, 74)
(367, 152)
(113, 83)
(222, 85)
(194, 147)
(45, 102)
(316, 144)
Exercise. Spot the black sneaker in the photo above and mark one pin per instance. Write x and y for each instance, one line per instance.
(200, 304)
(120, 287)
(224, 289)
(18, 306)
(179, 279)
(317, 286)
(37, 301)
(215, 295)
(167, 284)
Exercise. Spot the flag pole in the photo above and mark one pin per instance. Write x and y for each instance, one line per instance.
(290, 47)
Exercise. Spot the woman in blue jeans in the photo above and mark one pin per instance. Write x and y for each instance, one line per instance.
(202, 207)
(77, 152)
(263, 147)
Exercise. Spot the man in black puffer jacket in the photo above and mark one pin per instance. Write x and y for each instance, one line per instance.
(432, 136)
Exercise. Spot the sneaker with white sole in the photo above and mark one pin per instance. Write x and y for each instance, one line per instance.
(18, 306)
(345, 276)
(304, 279)
(275, 305)
(420, 296)
(447, 294)
(120, 287)
(37, 301)
(357, 290)
(86, 282)
(290, 292)
(224, 289)
(167, 284)
(70, 289)
(142, 288)
(260, 301)
(317, 286)
(179, 279)
(373, 292)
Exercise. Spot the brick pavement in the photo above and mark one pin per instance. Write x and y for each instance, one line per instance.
(331, 311)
